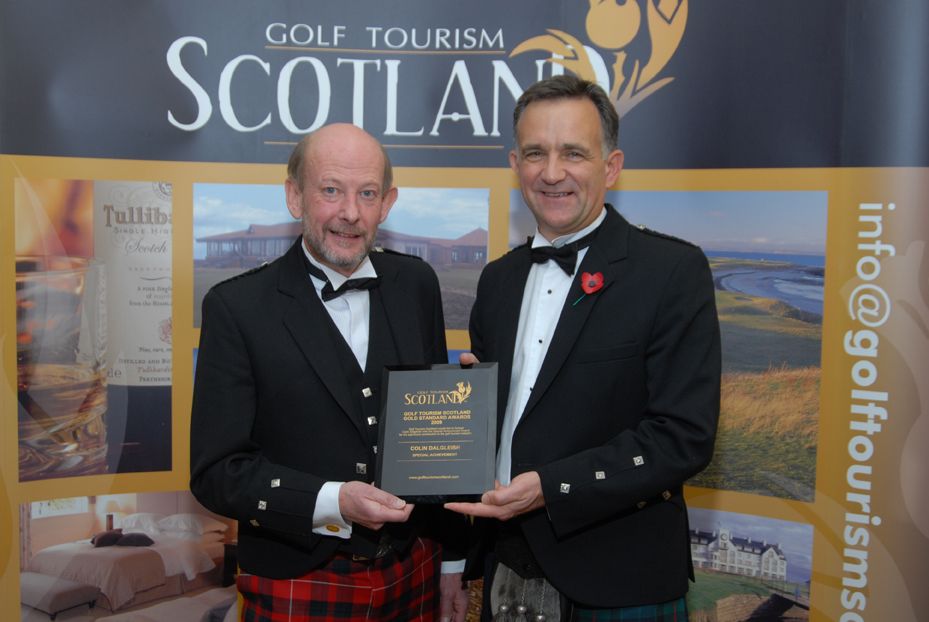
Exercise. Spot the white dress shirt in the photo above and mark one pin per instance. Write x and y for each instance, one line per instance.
(351, 313)
(543, 299)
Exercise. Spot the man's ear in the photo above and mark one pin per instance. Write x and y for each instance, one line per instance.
(294, 199)
(387, 202)
(614, 164)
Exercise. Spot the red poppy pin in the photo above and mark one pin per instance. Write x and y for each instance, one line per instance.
(590, 283)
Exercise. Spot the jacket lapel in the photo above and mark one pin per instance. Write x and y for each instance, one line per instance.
(397, 305)
(310, 326)
(604, 255)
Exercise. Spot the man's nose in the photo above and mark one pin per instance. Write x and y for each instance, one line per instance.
(350, 208)
(553, 171)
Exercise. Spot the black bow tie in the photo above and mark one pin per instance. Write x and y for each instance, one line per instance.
(565, 256)
(328, 293)
(367, 282)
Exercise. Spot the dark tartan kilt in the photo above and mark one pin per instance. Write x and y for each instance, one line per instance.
(400, 589)
(671, 611)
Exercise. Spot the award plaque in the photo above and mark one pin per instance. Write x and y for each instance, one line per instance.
(438, 432)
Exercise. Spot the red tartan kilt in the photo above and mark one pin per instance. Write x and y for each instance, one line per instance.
(402, 589)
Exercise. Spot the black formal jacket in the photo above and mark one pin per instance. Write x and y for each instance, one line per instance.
(273, 415)
(624, 410)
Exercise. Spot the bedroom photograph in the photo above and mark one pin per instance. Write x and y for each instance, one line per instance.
(143, 557)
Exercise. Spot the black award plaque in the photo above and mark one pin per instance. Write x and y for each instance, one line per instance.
(438, 432)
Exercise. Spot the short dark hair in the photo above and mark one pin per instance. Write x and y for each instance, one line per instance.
(297, 156)
(571, 87)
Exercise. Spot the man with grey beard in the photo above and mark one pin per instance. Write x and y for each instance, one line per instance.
(287, 398)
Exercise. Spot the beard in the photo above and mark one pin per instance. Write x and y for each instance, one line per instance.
(333, 255)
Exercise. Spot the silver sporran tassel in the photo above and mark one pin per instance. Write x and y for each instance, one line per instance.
(515, 599)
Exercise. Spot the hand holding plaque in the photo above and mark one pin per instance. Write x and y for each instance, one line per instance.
(438, 432)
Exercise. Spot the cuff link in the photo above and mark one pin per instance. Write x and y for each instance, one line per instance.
(599, 475)
(367, 392)
(361, 468)
(372, 420)
(254, 523)
(333, 528)
(275, 483)
(262, 505)
(564, 488)
(638, 461)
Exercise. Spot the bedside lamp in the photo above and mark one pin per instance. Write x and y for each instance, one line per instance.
(112, 507)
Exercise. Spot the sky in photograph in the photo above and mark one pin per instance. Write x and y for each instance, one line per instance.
(222, 208)
(434, 212)
(791, 222)
(794, 539)
(439, 212)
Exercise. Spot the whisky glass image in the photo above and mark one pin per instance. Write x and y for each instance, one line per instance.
(61, 366)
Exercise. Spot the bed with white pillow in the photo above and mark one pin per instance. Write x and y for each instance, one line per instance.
(185, 553)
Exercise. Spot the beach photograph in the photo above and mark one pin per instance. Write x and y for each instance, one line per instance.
(767, 253)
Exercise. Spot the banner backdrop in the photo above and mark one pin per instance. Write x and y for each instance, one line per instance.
(142, 151)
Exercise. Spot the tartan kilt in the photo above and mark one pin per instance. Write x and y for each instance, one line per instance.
(671, 611)
(392, 588)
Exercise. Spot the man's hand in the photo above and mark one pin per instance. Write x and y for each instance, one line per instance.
(454, 598)
(524, 494)
(363, 504)
(466, 358)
